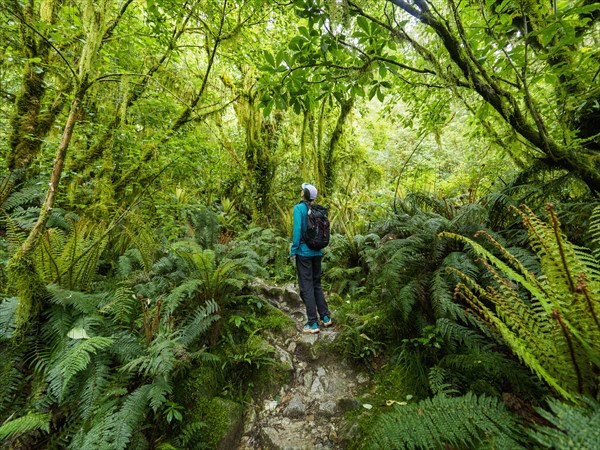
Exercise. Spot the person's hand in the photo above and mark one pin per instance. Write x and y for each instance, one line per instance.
(292, 259)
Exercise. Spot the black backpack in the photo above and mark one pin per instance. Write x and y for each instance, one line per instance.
(316, 235)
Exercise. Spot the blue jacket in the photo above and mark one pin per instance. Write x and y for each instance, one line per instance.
(298, 247)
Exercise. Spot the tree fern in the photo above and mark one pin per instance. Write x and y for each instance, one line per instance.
(70, 260)
(439, 422)
(25, 424)
(555, 331)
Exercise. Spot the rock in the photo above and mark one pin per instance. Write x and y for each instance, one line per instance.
(317, 387)
(292, 437)
(270, 405)
(307, 340)
(249, 420)
(295, 408)
(229, 421)
(292, 347)
(308, 379)
(327, 408)
(291, 297)
(285, 358)
(348, 432)
(362, 378)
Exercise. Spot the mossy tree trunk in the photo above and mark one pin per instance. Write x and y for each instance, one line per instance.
(332, 148)
(261, 139)
(22, 276)
(34, 113)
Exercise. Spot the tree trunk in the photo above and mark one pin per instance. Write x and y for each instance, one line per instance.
(330, 155)
(22, 274)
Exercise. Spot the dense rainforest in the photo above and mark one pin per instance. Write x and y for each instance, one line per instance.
(151, 152)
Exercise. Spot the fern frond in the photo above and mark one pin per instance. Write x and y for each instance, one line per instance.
(126, 346)
(8, 317)
(459, 422)
(129, 417)
(71, 260)
(199, 322)
(574, 426)
(95, 380)
(594, 230)
(121, 305)
(187, 290)
(460, 336)
(74, 360)
(83, 302)
(556, 332)
(159, 389)
(160, 358)
(25, 424)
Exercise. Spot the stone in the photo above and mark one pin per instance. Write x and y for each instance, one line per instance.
(292, 437)
(328, 408)
(249, 420)
(270, 405)
(227, 423)
(292, 347)
(308, 379)
(295, 408)
(317, 387)
(285, 358)
(362, 378)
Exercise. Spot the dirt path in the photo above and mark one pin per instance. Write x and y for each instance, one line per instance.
(309, 412)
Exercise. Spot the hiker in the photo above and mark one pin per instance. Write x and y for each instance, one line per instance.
(308, 265)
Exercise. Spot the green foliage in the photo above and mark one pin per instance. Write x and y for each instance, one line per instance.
(460, 422)
(71, 260)
(553, 329)
(24, 424)
(570, 426)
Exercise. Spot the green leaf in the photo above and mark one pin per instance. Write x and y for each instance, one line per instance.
(78, 333)
(364, 24)
(25, 424)
(269, 57)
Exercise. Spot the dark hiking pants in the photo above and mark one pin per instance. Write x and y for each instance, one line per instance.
(309, 279)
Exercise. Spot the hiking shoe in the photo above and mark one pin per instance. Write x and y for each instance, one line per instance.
(312, 329)
(327, 322)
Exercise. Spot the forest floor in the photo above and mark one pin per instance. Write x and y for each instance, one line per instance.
(309, 412)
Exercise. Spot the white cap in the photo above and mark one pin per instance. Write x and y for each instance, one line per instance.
(311, 189)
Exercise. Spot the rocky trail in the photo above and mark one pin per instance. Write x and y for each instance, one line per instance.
(307, 413)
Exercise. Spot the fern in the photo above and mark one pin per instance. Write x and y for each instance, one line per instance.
(25, 424)
(199, 322)
(555, 331)
(75, 359)
(439, 422)
(160, 358)
(595, 232)
(116, 426)
(8, 317)
(70, 260)
(572, 426)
